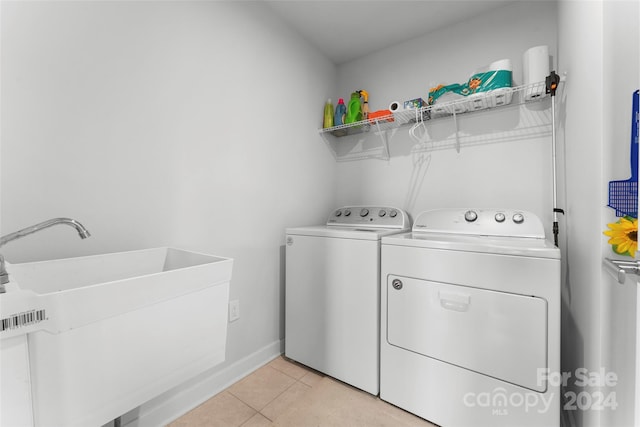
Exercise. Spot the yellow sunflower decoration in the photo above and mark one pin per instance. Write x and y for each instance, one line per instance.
(624, 236)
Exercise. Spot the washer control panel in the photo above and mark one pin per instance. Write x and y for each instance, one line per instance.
(483, 222)
(370, 216)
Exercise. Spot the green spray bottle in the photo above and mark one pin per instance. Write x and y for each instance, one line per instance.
(354, 109)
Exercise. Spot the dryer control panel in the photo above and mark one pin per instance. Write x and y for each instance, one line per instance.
(370, 216)
(482, 222)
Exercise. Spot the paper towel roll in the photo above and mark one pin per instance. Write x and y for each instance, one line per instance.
(503, 64)
(535, 69)
(399, 113)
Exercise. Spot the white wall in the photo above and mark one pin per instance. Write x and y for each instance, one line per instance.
(580, 44)
(596, 134)
(620, 28)
(189, 124)
(504, 160)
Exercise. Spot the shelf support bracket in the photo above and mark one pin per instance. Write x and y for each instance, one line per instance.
(385, 139)
(455, 123)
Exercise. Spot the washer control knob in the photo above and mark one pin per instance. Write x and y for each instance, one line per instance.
(500, 217)
(347, 212)
(382, 213)
(338, 212)
(470, 216)
(364, 212)
(518, 218)
(393, 213)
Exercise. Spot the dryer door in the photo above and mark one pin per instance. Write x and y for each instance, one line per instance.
(498, 334)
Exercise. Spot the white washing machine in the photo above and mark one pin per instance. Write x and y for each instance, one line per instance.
(332, 293)
(470, 314)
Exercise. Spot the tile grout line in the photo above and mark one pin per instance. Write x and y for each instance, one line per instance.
(255, 411)
(264, 415)
(288, 369)
(296, 381)
(259, 411)
(292, 370)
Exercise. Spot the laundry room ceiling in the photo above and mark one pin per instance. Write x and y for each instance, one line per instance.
(347, 29)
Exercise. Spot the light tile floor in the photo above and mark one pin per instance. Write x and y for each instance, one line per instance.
(283, 387)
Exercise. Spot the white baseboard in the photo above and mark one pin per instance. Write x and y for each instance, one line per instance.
(177, 402)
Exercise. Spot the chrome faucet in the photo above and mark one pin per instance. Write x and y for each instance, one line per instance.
(4, 276)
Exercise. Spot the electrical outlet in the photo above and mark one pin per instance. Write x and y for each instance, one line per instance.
(234, 310)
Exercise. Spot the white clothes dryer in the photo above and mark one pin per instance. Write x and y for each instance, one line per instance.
(470, 314)
(332, 293)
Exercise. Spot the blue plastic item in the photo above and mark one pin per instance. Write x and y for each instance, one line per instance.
(341, 111)
(623, 195)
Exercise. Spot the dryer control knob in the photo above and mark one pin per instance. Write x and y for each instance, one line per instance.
(393, 213)
(518, 218)
(338, 212)
(470, 216)
(382, 213)
(364, 212)
(347, 212)
(500, 217)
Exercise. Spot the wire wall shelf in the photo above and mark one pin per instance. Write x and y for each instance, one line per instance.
(342, 139)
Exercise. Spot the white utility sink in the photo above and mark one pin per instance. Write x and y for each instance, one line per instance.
(107, 333)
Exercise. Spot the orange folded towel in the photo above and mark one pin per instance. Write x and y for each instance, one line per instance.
(381, 116)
